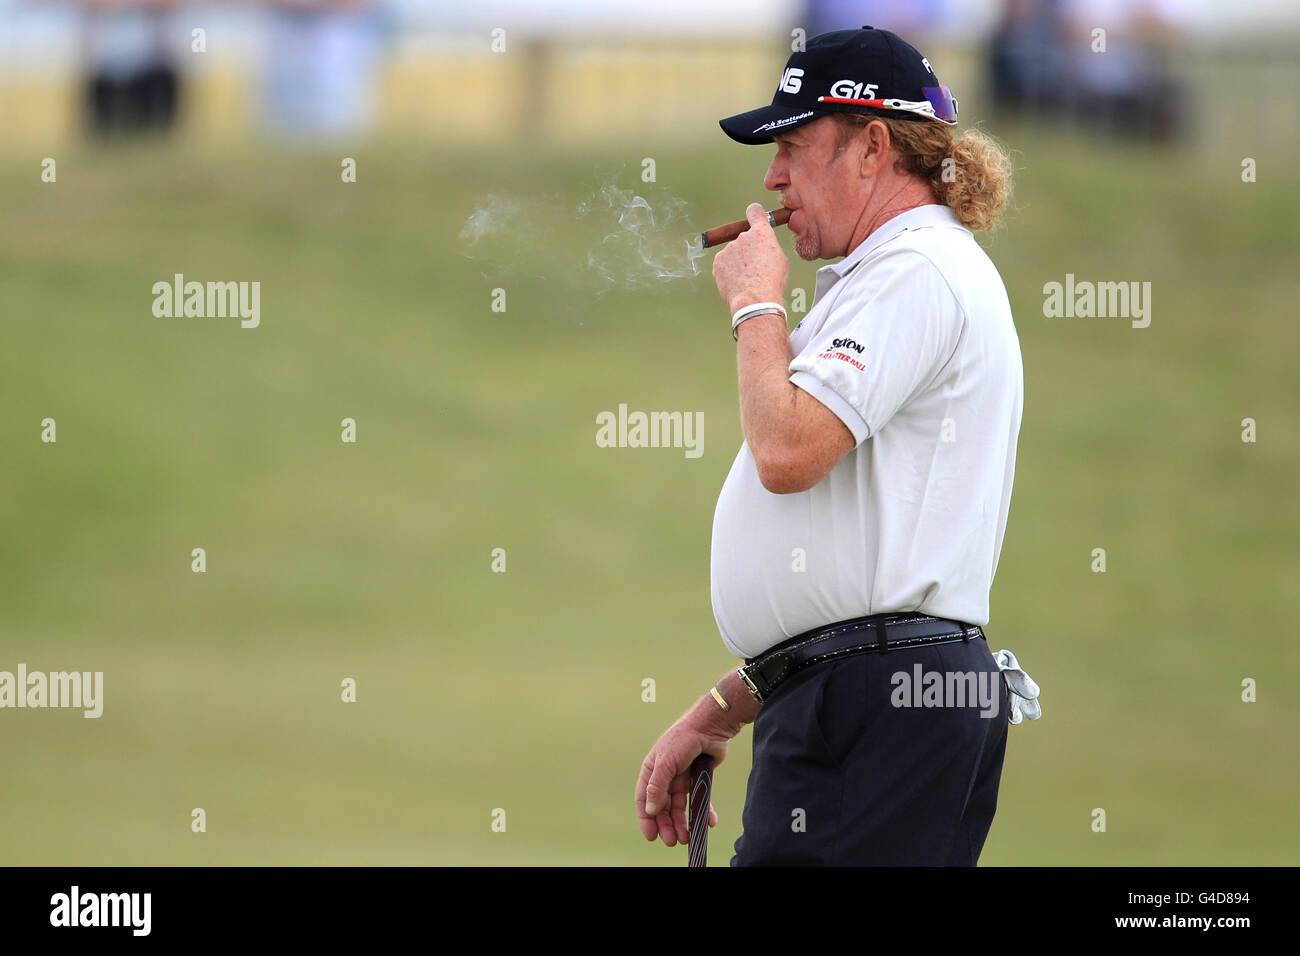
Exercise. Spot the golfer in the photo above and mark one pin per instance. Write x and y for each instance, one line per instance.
(857, 534)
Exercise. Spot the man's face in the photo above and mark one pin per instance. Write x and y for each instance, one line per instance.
(821, 184)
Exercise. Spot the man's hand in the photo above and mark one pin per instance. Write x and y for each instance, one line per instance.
(663, 788)
(753, 268)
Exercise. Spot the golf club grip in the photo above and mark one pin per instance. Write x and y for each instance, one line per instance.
(720, 234)
(698, 810)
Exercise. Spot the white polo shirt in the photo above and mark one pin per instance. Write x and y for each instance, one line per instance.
(910, 343)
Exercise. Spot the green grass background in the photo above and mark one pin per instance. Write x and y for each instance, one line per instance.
(476, 430)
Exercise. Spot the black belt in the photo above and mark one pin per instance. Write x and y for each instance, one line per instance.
(879, 632)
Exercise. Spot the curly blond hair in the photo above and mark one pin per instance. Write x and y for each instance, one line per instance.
(976, 184)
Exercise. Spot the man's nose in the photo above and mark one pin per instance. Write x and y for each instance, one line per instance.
(777, 174)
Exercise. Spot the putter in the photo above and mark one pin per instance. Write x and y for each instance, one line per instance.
(698, 810)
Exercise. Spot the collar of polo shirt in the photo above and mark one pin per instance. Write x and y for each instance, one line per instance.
(929, 215)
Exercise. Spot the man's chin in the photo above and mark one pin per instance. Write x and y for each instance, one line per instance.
(806, 249)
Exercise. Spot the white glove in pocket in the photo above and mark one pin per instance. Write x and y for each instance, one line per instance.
(1022, 692)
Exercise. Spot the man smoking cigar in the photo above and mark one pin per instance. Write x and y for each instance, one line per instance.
(857, 534)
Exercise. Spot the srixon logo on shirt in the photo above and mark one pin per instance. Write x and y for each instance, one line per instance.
(840, 349)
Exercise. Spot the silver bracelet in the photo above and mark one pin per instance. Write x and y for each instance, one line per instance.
(758, 308)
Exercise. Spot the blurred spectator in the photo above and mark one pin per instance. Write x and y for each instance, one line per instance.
(323, 57)
(132, 84)
(907, 18)
(1130, 90)
(1026, 59)
(1045, 62)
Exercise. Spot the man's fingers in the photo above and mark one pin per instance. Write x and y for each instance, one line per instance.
(756, 215)
(681, 794)
(666, 829)
(642, 778)
(663, 793)
(648, 827)
(656, 788)
(656, 799)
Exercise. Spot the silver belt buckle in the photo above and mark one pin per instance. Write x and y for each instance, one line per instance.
(743, 674)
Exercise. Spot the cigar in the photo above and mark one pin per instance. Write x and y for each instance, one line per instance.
(720, 234)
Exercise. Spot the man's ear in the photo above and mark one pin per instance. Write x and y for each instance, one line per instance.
(875, 148)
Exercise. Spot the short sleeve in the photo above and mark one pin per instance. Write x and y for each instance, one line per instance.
(887, 337)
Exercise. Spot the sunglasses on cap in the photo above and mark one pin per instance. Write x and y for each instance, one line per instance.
(939, 104)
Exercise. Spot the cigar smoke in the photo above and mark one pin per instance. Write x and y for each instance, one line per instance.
(626, 238)
(641, 244)
(494, 214)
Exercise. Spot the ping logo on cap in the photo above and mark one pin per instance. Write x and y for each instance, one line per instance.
(791, 81)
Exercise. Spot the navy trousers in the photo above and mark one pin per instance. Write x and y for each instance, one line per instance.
(844, 776)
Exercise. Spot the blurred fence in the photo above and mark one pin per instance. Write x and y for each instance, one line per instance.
(439, 87)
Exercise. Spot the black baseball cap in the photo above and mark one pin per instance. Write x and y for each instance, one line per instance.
(868, 71)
